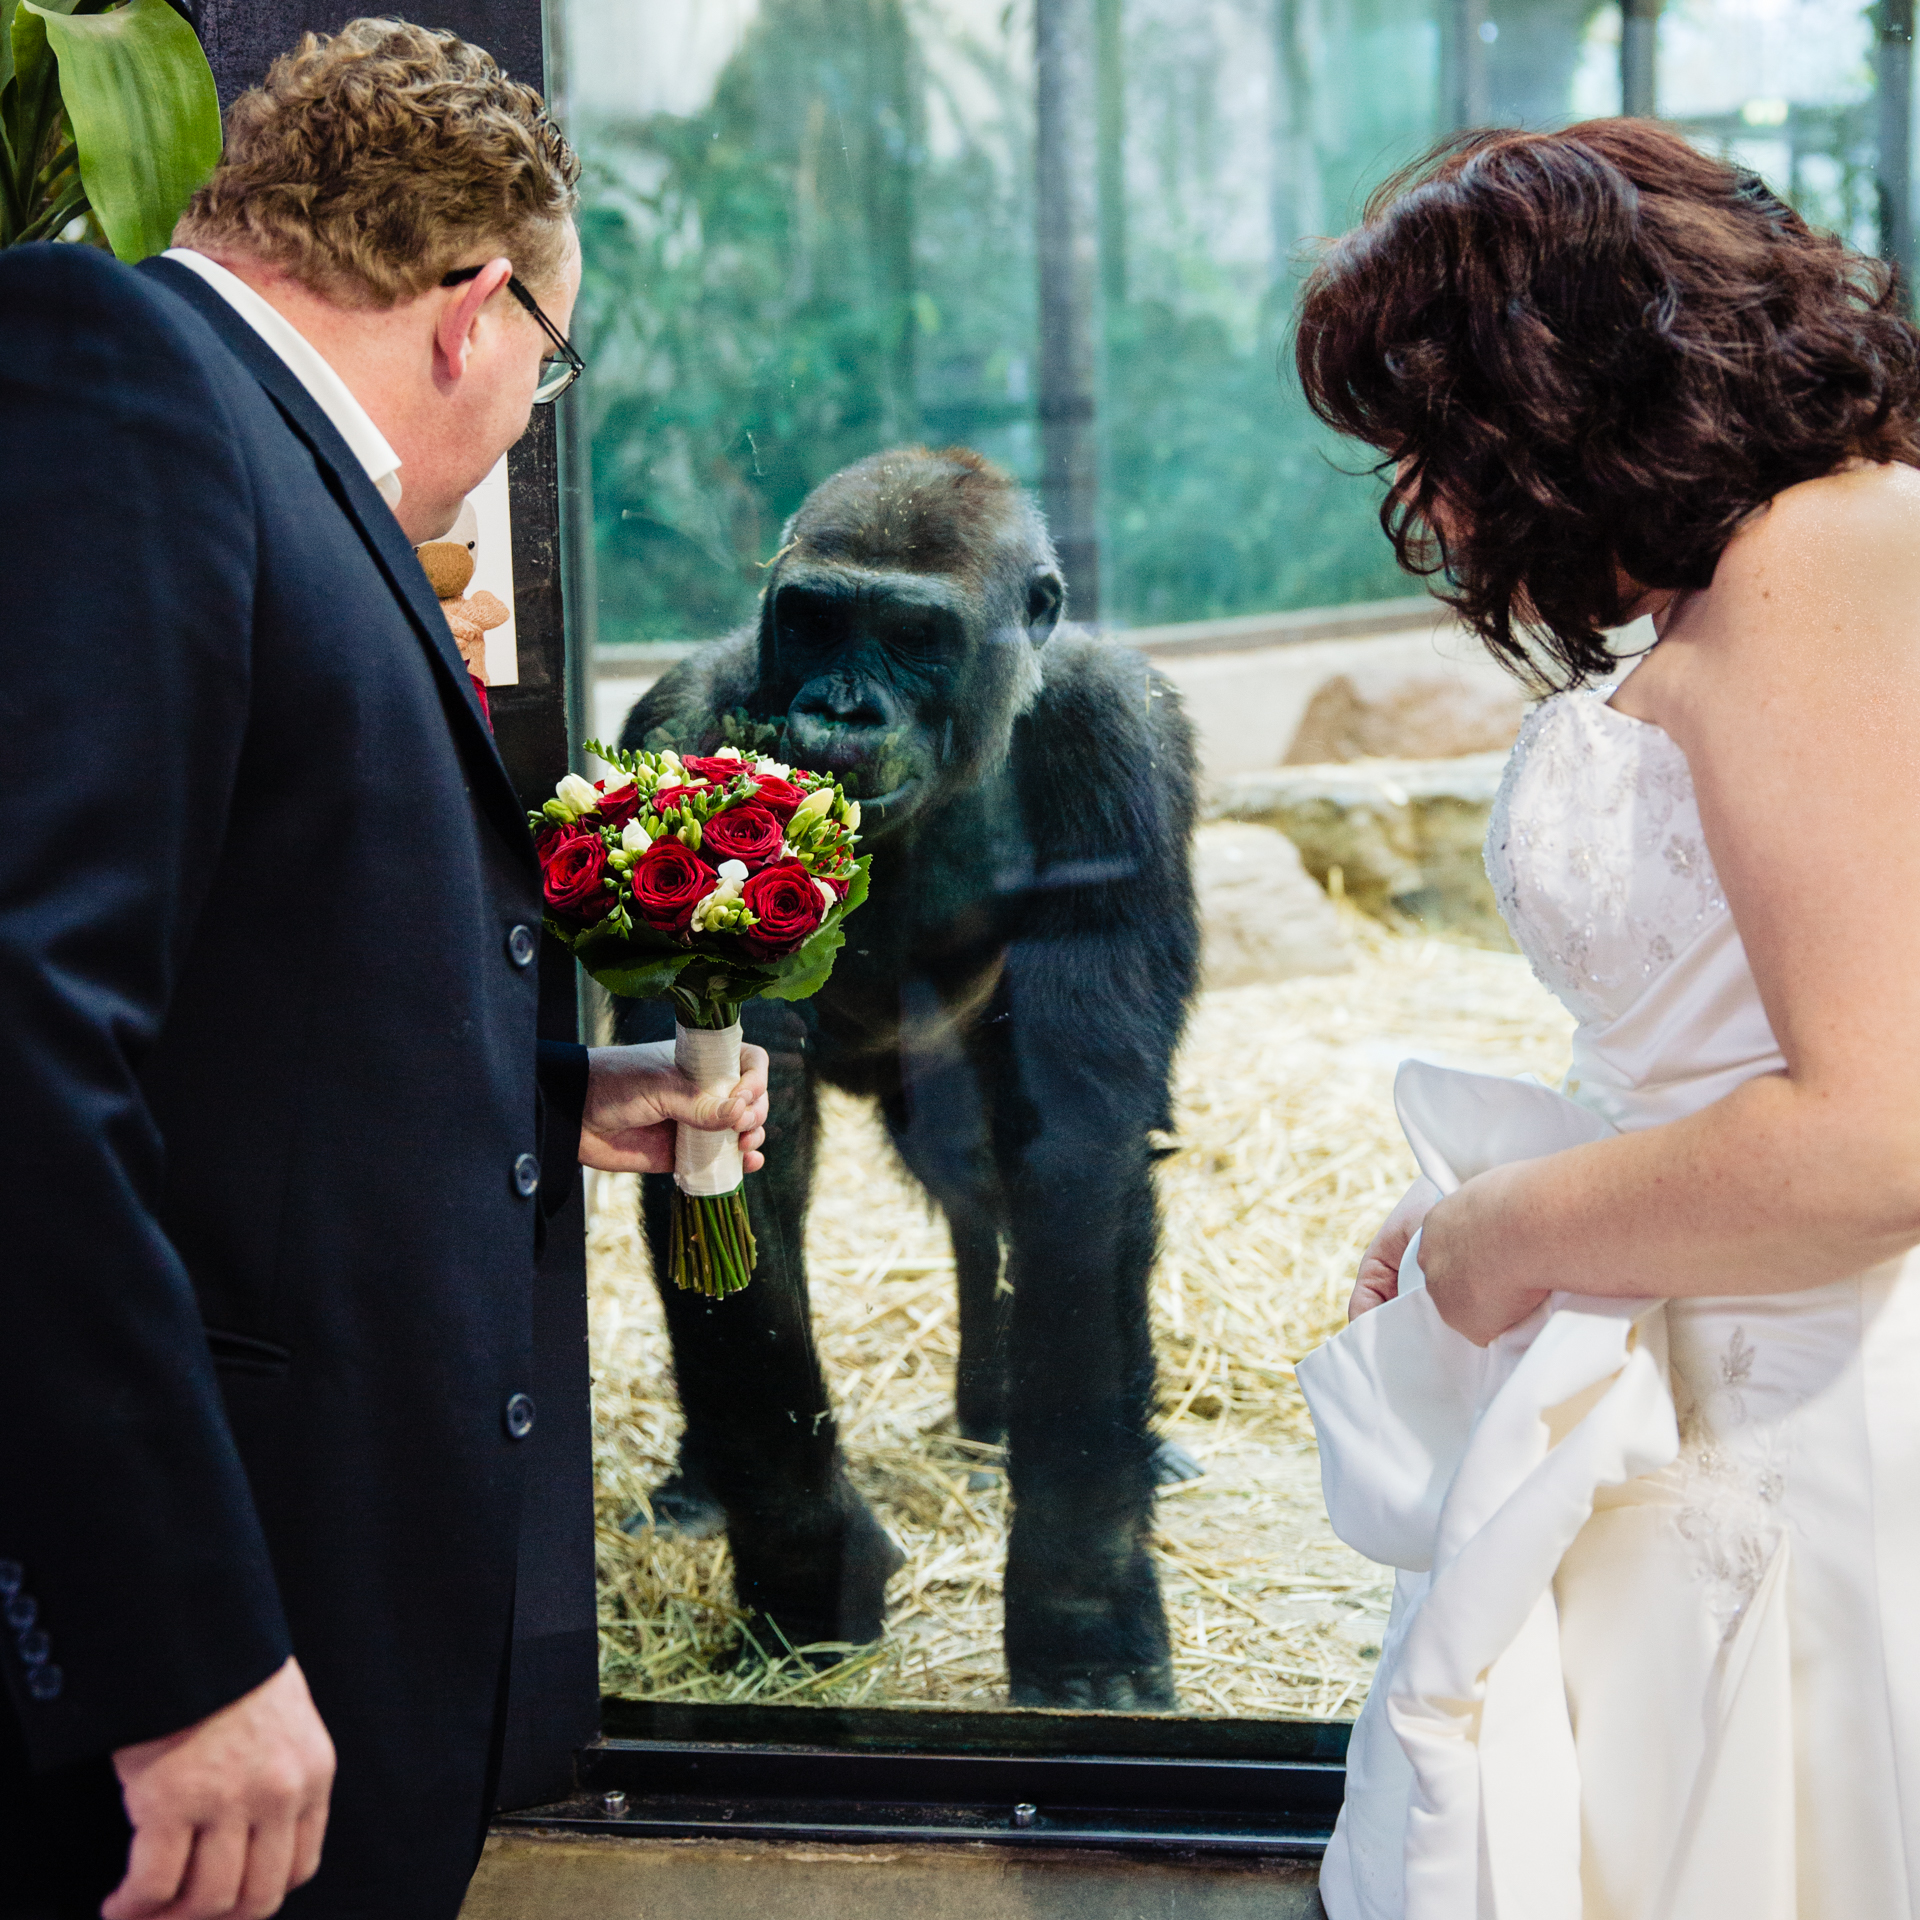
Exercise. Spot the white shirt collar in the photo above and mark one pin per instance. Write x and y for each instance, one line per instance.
(330, 393)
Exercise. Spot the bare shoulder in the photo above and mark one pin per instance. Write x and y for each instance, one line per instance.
(1839, 535)
(1822, 582)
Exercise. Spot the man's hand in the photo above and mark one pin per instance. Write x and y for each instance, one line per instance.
(636, 1096)
(1378, 1280)
(227, 1816)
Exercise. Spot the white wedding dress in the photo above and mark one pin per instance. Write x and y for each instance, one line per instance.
(1655, 1645)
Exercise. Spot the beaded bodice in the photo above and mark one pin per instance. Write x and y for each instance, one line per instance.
(1596, 855)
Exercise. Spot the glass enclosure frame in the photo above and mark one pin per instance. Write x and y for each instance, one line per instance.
(653, 1750)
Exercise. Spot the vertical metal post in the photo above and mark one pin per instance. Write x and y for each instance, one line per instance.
(1066, 191)
(1893, 90)
(1639, 44)
(1111, 64)
(1463, 65)
(579, 585)
(1295, 179)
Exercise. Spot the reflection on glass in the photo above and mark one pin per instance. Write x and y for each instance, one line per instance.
(1786, 90)
(816, 229)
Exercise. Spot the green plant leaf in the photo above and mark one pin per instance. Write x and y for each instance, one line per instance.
(648, 981)
(810, 967)
(6, 41)
(806, 970)
(145, 115)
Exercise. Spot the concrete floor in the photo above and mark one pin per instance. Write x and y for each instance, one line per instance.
(566, 1876)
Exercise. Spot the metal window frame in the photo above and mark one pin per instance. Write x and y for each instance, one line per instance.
(1147, 1784)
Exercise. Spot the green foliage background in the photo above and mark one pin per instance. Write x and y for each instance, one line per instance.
(797, 274)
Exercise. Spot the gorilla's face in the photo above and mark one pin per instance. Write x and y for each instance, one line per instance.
(903, 685)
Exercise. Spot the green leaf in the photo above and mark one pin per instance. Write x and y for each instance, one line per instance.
(648, 981)
(807, 969)
(810, 967)
(141, 98)
(639, 938)
(6, 42)
(26, 47)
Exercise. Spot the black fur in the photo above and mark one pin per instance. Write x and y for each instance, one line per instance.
(1011, 994)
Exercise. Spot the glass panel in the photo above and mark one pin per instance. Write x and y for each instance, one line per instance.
(1065, 234)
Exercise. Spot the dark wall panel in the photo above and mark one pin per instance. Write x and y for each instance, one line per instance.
(243, 36)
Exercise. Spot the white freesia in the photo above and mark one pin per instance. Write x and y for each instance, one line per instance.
(815, 804)
(633, 838)
(853, 816)
(706, 916)
(615, 782)
(733, 871)
(828, 898)
(670, 763)
(576, 795)
(728, 753)
(773, 769)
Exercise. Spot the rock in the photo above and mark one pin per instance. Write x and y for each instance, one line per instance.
(1384, 713)
(1402, 839)
(1261, 915)
(1249, 705)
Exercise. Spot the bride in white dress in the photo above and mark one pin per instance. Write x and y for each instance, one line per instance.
(1637, 1409)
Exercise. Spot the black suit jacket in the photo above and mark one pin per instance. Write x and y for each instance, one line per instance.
(268, 1081)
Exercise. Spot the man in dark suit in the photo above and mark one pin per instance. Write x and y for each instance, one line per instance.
(275, 1132)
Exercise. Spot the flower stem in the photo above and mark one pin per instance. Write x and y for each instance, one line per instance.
(712, 1248)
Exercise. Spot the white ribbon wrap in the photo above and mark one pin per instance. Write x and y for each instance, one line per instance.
(707, 1164)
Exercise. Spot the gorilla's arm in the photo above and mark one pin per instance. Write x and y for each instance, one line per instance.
(1104, 766)
(686, 703)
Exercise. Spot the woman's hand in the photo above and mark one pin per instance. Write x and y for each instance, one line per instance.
(636, 1096)
(1378, 1280)
(1458, 1282)
(1458, 1243)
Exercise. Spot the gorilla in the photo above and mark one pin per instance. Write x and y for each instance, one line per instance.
(1011, 995)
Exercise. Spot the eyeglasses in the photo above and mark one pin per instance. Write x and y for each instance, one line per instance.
(561, 368)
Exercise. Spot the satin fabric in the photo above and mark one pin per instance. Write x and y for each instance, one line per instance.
(1645, 1658)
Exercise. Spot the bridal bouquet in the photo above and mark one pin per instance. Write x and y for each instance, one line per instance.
(709, 882)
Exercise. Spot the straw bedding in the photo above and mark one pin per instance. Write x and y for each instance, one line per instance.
(1286, 1157)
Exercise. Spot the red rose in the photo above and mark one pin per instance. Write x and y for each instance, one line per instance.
(669, 881)
(788, 907)
(573, 862)
(619, 806)
(717, 766)
(778, 796)
(747, 832)
(670, 797)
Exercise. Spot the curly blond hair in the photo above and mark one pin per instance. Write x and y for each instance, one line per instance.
(373, 161)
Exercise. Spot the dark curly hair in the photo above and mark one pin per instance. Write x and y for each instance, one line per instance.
(1597, 352)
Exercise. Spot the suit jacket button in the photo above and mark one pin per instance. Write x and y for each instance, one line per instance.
(22, 1611)
(12, 1578)
(521, 946)
(34, 1647)
(44, 1683)
(519, 1416)
(526, 1176)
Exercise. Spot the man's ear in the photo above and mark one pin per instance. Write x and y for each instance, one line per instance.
(460, 313)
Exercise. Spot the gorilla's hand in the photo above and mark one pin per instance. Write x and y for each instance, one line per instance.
(1378, 1280)
(636, 1096)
